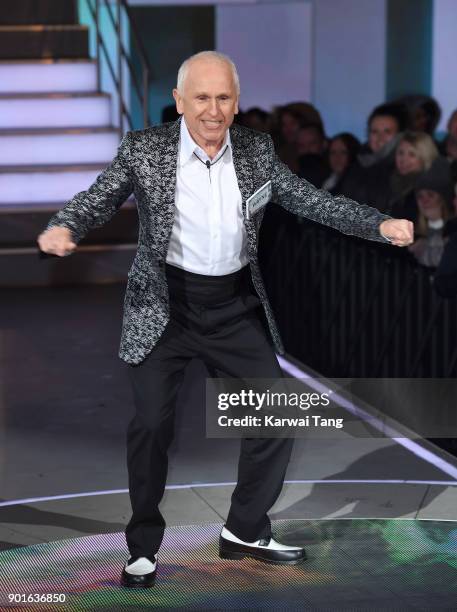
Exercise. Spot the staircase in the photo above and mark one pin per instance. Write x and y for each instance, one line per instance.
(56, 136)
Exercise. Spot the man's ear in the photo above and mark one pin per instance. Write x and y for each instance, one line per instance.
(178, 100)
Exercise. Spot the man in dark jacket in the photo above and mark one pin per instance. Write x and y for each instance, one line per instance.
(368, 179)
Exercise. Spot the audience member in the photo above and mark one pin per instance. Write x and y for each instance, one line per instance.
(342, 153)
(424, 113)
(306, 112)
(384, 124)
(312, 161)
(445, 279)
(256, 119)
(311, 139)
(398, 170)
(368, 179)
(285, 133)
(448, 147)
(287, 122)
(434, 192)
(414, 155)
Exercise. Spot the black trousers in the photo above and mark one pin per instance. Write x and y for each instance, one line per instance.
(217, 319)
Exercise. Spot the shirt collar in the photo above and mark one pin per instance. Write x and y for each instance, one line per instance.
(188, 146)
(436, 224)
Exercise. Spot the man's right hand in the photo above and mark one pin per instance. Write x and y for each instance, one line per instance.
(57, 241)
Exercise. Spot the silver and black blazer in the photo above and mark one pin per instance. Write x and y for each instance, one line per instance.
(145, 165)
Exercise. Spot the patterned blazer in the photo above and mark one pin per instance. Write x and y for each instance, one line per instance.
(145, 164)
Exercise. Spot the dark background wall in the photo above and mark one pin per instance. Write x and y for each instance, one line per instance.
(170, 34)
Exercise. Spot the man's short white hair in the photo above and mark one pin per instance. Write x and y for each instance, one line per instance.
(215, 55)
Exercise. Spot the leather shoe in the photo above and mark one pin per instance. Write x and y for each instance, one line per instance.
(139, 572)
(266, 549)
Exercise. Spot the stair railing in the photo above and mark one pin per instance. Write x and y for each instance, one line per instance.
(124, 60)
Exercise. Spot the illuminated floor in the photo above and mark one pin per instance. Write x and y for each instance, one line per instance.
(352, 565)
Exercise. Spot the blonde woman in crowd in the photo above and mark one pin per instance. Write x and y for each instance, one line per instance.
(414, 155)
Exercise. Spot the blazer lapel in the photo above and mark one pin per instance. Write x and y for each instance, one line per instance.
(169, 163)
(242, 164)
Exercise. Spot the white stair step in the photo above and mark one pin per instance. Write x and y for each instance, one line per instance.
(54, 110)
(48, 75)
(58, 147)
(48, 186)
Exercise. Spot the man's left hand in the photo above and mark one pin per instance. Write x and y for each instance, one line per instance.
(400, 232)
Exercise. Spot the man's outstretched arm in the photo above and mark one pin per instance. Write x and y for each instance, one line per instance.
(301, 198)
(91, 208)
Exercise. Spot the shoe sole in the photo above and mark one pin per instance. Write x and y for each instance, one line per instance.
(128, 585)
(137, 586)
(237, 556)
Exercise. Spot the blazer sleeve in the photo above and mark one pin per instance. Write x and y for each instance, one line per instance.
(298, 196)
(95, 206)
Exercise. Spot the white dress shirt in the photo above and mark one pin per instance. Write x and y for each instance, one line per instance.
(208, 235)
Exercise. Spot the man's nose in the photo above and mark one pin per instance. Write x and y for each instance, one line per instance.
(214, 107)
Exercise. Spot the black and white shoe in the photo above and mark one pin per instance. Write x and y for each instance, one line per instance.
(265, 549)
(139, 572)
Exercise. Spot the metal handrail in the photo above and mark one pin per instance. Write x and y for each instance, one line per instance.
(123, 58)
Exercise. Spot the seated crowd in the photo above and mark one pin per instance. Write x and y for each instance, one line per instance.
(401, 169)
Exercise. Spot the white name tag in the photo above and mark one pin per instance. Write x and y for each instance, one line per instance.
(258, 199)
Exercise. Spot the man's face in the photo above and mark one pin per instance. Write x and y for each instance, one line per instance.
(208, 101)
(382, 130)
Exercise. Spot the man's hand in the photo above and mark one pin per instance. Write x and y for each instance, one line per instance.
(400, 232)
(56, 240)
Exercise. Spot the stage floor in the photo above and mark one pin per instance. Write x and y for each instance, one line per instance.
(355, 564)
(377, 518)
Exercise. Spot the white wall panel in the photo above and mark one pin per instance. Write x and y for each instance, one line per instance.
(271, 46)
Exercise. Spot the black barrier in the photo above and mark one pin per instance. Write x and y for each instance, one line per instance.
(348, 307)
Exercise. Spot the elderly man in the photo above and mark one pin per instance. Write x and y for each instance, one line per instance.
(195, 290)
